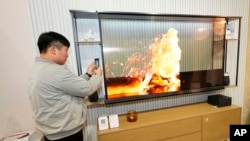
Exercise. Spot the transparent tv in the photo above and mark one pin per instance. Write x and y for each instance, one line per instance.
(149, 56)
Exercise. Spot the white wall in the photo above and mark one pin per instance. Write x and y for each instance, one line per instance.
(17, 54)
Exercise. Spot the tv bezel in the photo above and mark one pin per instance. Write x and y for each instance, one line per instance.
(165, 94)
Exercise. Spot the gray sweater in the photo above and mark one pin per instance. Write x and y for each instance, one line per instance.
(57, 96)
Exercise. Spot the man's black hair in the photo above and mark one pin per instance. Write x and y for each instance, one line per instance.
(47, 39)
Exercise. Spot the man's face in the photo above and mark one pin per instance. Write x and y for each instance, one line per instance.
(61, 55)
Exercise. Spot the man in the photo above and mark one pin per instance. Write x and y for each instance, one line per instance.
(56, 94)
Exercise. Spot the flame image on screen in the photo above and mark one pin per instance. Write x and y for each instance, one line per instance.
(160, 74)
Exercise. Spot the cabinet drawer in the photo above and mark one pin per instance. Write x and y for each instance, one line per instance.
(157, 132)
(190, 137)
(215, 127)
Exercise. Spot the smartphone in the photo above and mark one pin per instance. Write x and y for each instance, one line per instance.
(97, 63)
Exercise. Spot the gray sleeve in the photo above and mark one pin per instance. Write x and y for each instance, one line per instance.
(79, 85)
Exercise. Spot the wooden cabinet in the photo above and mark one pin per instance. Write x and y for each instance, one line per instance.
(189, 137)
(215, 127)
(162, 131)
(196, 122)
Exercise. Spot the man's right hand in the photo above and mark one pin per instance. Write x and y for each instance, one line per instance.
(98, 71)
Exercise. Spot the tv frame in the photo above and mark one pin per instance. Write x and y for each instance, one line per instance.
(149, 96)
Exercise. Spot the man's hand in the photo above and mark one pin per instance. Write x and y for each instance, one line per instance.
(98, 71)
(93, 70)
(90, 69)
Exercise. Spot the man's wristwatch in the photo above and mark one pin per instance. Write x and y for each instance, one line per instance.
(89, 75)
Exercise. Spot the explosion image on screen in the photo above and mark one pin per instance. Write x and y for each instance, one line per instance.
(159, 73)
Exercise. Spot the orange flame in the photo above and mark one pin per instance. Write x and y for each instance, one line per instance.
(162, 76)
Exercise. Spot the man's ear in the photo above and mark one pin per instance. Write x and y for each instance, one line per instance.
(53, 50)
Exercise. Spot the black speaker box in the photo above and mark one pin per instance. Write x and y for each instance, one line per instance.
(219, 100)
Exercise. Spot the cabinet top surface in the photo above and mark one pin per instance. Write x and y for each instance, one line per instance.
(167, 115)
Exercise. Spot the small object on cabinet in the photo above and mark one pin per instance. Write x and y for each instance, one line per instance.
(219, 100)
(131, 116)
(113, 121)
(103, 122)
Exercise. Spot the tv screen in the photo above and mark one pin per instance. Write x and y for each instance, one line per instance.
(148, 56)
